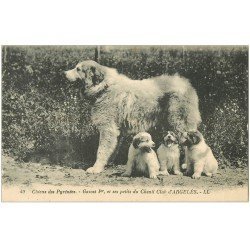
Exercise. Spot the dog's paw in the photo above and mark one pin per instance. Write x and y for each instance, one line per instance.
(164, 172)
(126, 174)
(184, 166)
(178, 172)
(153, 176)
(94, 170)
(196, 175)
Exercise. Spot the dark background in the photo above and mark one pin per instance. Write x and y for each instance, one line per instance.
(46, 120)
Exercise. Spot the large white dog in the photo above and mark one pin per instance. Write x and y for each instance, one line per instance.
(123, 106)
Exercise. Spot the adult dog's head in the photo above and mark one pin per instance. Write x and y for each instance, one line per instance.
(170, 139)
(91, 75)
(192, 138)
(143, 141)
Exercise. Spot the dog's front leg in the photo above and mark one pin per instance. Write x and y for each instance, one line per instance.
(153, 166)
(152, 170)
(107, 144)
(163, 168)
(176, 167)
(130, 162)
(198, 168)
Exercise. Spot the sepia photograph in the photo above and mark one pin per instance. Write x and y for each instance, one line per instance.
(125, 123)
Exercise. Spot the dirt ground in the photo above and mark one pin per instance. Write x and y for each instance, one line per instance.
(28, 174)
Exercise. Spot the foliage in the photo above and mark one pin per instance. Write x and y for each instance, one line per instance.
(42, 116)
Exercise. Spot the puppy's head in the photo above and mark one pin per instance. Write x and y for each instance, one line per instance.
(143, 141)
(192, 138)
(88, 72)
(170, 139)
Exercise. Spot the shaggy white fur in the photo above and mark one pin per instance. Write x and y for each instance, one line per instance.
(142, 158)
(123, 106)
(169, 155)
(200, 158)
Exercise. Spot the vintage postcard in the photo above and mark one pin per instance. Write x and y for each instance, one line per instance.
(125, 123)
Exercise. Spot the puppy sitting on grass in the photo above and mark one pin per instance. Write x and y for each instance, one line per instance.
(200, 158)
(169, 155)
(142, 159)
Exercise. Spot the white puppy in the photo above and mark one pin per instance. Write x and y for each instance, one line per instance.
(200, 158)
(142, 159)
(169, 155)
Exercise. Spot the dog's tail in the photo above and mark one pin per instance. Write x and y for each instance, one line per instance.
(184, 114)
(181, 107)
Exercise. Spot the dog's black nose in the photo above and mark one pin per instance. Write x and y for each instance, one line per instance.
(153, 145)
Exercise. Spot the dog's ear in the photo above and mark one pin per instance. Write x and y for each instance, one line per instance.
(195, 138)
(176, 140)
(136, 142)
(182, 137)
(98, 75)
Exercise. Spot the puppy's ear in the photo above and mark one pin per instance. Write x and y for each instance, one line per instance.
(98, 75)
(136, 142)
(182, 137)
(177, 139)
(195, 138)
